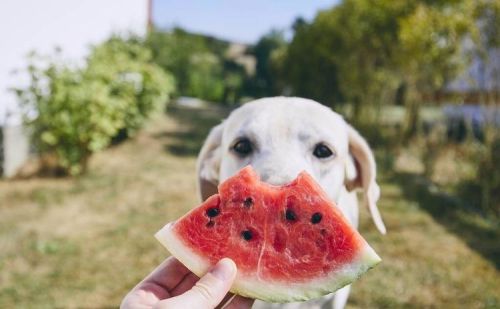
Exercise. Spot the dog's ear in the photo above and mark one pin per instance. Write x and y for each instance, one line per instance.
(365, 175)
(208, 164)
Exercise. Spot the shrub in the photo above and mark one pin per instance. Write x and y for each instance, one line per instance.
(127, 67)
(467, 166)
(488, 174)
(76, 111)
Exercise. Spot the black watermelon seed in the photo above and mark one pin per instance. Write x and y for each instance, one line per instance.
(316, 218)
(290, 215)
(210, 223)
(248, 202)
(213, 212)
(247, 235)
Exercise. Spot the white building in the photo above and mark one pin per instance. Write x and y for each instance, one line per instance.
(481, 77)
(41, 26)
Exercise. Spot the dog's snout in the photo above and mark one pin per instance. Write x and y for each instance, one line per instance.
(277, 178)
(276, 171)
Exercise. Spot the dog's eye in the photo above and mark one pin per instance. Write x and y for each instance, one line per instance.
(243, 147)
(322, 151)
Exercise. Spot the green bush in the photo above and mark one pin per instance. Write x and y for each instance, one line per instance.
(126, 66)
(200, 64)
(205, 78)
(76, 111)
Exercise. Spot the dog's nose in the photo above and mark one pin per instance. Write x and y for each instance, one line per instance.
(277, 178)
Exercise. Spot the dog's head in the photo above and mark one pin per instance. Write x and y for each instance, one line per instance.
(280, 137)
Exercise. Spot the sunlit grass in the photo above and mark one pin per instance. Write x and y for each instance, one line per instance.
(85, 242)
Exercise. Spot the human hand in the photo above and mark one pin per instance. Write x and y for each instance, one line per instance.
(172, 285)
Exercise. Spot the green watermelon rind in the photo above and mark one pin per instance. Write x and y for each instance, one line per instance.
(269, 291)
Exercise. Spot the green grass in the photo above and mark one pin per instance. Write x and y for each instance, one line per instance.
(84, 242)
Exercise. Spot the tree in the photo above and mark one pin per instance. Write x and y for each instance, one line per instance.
(346, 53)
(365, 52)
(205, 77)
(179, 52)
(198, 63)
(309, 66)
(431, 50)
(266, 81)
(487, 14)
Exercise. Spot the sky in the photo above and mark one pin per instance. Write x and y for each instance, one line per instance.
(234, 20)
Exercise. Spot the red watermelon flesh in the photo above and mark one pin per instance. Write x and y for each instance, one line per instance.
(289, 242)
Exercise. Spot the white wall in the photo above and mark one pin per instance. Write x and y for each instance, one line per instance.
(41, 25)
(16, 149)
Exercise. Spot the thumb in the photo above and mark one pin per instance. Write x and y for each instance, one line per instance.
(209, 291)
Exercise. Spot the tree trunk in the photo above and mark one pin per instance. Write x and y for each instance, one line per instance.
(413, 101)
(356, 111)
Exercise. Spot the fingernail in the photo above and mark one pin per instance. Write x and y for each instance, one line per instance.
(225, 269)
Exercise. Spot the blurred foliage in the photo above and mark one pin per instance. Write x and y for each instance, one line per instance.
(126, 66)
(269, 52)
(488, 173)
(308, 68)
(198, 63)
(359, 53)
(367, 53)
(487, 12)
(205, 78)
(467, 169)
(349, 50)
(211, 69)
(76, 111)
(432, 50)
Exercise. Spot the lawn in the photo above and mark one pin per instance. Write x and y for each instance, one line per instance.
(84, 242)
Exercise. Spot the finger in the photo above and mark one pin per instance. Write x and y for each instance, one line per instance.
(157, 284)
(209, 291)
(186, 284)
(168, 275)
(239, 302)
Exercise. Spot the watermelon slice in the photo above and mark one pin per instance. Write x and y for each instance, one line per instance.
(290, 243)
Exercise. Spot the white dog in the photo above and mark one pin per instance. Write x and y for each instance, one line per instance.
(280, 137)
